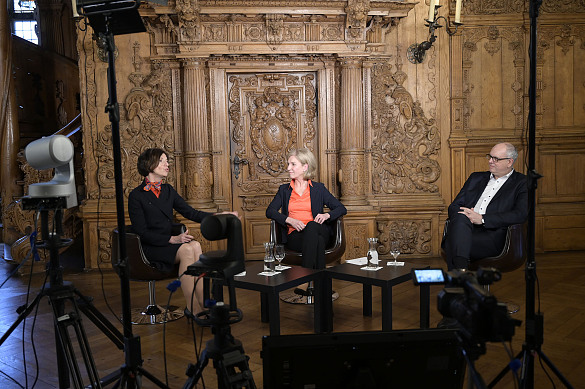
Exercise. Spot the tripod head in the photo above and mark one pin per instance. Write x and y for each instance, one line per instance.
(219, 317)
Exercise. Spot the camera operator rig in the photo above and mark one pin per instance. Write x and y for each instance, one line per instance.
(480, 317)
(229, 358)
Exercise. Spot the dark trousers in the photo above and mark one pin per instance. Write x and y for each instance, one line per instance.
(311, 242)
(466, 242)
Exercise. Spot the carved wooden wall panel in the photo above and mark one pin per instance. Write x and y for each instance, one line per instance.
(493, 78)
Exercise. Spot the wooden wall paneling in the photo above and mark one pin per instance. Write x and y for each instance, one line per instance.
(358, 227)
(563, 174)
(578, 52)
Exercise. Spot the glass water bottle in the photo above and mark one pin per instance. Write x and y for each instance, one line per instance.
(268, 257)
(372, 255)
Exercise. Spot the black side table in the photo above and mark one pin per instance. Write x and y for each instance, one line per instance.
(385, 278)
(270, 286)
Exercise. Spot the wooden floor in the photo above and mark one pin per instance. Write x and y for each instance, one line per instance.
(561, 288)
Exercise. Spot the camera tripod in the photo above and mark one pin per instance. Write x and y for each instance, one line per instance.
(62, 295)
(227, 353)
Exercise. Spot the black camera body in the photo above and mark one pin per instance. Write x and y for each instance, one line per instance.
(480, 316)
(221, 264)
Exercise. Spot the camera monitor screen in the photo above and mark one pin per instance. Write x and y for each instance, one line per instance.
(395, 359)
(428, 276)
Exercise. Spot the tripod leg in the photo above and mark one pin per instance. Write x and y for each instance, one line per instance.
(21, 317)
(99, 320)
(195, 371)
(503, 372)
(554, 369)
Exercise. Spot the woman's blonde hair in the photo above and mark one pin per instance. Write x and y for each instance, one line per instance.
(305, 156)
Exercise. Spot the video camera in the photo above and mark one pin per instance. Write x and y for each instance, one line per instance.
(221, 264)
(480, 316)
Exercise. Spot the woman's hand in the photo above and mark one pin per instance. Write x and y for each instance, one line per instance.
(182, 238)
(296, 224)
(321, 217)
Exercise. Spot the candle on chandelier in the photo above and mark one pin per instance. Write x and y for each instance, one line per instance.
(458, 11)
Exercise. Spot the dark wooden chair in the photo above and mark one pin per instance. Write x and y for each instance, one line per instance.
(512, 256)
(140, 269)
(333, 252)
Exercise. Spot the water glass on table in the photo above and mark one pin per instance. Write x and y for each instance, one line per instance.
(279, 255)
(395, 252)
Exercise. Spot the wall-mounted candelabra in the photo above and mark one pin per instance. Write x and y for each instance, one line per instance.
(417, 51)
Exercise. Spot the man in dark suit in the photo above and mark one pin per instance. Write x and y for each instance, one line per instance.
(487, 204)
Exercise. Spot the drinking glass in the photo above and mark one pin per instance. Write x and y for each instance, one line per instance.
(395, 252)
(279, 255)
(268, 257)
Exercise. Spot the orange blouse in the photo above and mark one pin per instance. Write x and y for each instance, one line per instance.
(299, 206)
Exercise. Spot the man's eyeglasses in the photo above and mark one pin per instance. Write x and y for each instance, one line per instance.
(496, 159)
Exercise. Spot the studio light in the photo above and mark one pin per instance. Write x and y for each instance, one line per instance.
(122, 15)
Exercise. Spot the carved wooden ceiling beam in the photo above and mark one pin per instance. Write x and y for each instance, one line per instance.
(188, 28)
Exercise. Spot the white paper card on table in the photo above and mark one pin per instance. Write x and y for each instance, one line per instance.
(268, 274)
(358, 261)
(281, 267)
(240, 274)
(391, 263)
(371, 268)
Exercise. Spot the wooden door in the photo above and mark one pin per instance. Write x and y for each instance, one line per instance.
(269, 114)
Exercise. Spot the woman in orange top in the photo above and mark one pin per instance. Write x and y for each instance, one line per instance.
(298, 206)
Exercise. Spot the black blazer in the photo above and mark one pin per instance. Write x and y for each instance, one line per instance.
(320, 197)
(152, 217)
(509, 206)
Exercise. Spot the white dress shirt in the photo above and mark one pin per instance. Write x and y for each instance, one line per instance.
(492, 187)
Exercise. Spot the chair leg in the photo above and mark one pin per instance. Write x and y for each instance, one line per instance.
(153, 313)
(512, 307)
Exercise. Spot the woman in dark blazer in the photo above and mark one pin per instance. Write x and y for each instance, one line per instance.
(151, 205)
(307, 228)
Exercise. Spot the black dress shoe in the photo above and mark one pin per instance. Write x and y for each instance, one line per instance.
(303, 292)
(188, 314)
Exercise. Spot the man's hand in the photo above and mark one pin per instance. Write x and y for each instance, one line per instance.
(473, 216)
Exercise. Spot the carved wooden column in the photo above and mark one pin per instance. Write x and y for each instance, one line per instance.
(198, 177)
(352, 154)
(9, 139)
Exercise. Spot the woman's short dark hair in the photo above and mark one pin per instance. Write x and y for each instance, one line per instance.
(149, 160)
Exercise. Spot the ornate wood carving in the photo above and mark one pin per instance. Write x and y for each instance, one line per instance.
(260, 27)
(414, 235)
(405, 142)
(270, 115)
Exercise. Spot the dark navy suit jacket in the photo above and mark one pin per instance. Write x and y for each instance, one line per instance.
(152, 217)
(320, 197)
(509, 205)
